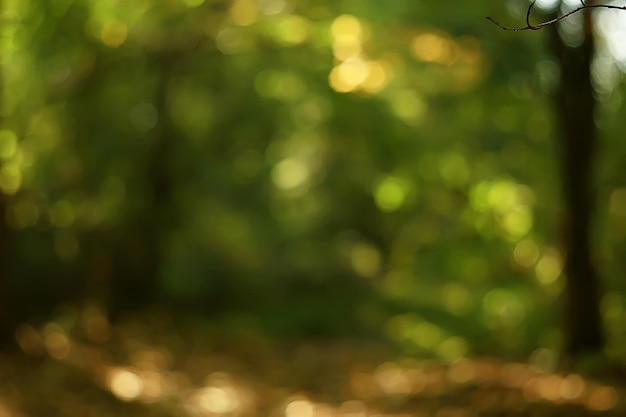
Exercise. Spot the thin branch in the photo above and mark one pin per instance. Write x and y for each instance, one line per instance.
(530, 7)
(538, 26)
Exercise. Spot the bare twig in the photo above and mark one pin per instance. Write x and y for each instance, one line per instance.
(538, 26)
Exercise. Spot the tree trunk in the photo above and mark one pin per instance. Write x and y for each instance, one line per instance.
(574, 108)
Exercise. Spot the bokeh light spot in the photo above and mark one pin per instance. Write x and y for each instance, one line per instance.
(601, 398)
(244, 12)
(452, 348)
(8, 144)
(10, 179)
(572, 387)
(462, 371)
(218, 400)
(391, 192)
(299, 408)
(408, 106)
(526, 253)
(392, 379)
(378, 76)
(290, 173)
(548, 269)
(347, 27)
(124, 383)
(231, 41)
(114, 33)
(502, 307)
(293, 30)
(433, 47)
(56, 341)
(348, 75)
(366, 260)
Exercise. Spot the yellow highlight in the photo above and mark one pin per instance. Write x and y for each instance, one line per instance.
(548, 269)
(10, 179)
(434, 47)
(346, 50)
(348, 75)
(299, 408)
(290, 173)
(391, 192)
(124, 383)
(509, 202)
(517, 222)
(353, 71)
(293, 30)
(503, 196)
(114, 33)
(392, 379)
(218, 400)
(243, 12)
(377, 77)
(348, 34)
(8, 144)
(347, 28)
(572, 387)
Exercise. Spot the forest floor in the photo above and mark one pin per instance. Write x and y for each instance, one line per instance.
(81, 366)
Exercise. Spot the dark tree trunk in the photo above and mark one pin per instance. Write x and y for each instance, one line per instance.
(140, 287)
(574, 107)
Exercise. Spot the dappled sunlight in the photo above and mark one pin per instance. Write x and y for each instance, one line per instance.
(434, 47)
(390, 192)
(548, 271)
(56, 341)
(353, 71)
(124, 383)
(365, 260)
(292, 208)
(504, 203)
(114, 33)
(300, 408)
(243, 12)
(384, 385)
(526, 253)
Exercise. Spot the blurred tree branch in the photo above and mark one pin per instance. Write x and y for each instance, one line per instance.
(538, 26)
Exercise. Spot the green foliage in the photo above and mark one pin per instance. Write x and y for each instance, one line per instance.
(296, 160)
